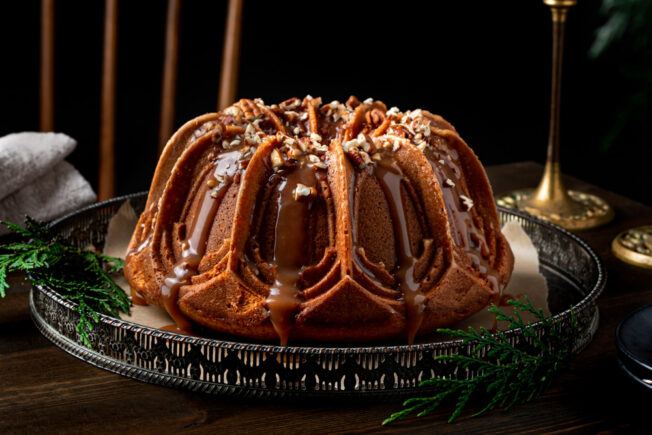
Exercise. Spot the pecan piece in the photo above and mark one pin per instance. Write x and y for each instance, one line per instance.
(353, 102)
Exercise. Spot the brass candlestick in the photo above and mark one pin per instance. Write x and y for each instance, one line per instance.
(551, 201)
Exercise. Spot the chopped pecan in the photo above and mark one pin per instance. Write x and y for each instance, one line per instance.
(290, 104)
(277, 160)
(375, 117)
(356, 157)
(353, 102)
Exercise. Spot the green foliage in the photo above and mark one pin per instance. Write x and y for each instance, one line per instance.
(79, 275)
(625, 38)
(625, 18)
(506, 375)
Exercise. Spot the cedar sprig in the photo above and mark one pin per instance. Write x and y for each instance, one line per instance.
(79, 275)
(506, 375)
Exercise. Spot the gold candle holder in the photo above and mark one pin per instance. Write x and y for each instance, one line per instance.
(634, 246)
(551, 201)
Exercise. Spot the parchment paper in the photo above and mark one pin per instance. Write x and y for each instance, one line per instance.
(525, 281)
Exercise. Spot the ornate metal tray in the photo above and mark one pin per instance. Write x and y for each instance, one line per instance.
(230, 365)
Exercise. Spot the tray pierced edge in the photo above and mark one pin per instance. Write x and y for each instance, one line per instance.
(169, 380)
(589, 299)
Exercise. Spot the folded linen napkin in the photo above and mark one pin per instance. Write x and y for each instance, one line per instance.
(36, 181)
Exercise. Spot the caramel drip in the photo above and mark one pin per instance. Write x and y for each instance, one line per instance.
(354, 229)
(291, 242)
(144, 244)
(504, 299)
(390, 176)
(465, 232)
(194, 246)
(137, 299)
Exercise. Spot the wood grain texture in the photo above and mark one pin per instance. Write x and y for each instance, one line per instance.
(106, 181)
(43, 389)
(46, 122)
(168, 91)
(230, 55)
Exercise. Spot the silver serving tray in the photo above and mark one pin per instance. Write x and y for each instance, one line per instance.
(231, 365)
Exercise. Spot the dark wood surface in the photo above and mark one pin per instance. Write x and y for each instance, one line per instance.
(43, 389)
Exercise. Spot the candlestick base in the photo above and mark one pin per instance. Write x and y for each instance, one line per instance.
(634, 246)
(587, 211)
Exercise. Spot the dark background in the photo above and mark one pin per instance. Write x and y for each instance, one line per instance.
(484, 66)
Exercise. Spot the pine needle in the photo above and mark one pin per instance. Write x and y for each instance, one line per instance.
(79, 275)
(506, 375)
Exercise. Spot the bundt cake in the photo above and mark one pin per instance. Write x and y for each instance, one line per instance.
(335, 222)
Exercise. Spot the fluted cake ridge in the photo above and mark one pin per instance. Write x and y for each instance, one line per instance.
(308, 221)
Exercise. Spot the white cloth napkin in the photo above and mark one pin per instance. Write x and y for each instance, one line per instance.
(36, 181)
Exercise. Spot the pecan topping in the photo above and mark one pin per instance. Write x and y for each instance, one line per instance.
(375, 117)
(353, 102)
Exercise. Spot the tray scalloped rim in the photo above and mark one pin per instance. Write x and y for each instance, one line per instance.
(98, 359)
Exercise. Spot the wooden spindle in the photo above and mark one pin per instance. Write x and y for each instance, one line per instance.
(168, 91)
(230, 55)
(46, 122)
(106, 184)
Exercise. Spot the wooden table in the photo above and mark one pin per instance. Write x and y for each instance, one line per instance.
(43, 389)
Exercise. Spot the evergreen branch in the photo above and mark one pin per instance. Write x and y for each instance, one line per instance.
(506, 375)
(79, 275)
(4, 285)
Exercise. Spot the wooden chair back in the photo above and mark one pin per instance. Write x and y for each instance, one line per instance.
(227, 87)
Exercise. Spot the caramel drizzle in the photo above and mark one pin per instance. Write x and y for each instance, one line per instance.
(290, 248)
(144, 244)
(137, 299)
(390, 176)
(354, 229)
(465, 231)
(194, 246)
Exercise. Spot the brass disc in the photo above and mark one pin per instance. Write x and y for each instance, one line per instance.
(592, 211)
(634, 246)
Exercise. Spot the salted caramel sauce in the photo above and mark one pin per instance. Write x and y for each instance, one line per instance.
(194, 246)
(291, 240)
(137, 299)
(390, 176)
(144, 244)
(354, 230)
(465, 232)
(504, 299)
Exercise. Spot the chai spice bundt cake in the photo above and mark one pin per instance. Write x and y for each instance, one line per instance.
(336, 222)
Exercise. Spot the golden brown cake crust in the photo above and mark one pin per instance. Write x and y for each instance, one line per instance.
(319, 222)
